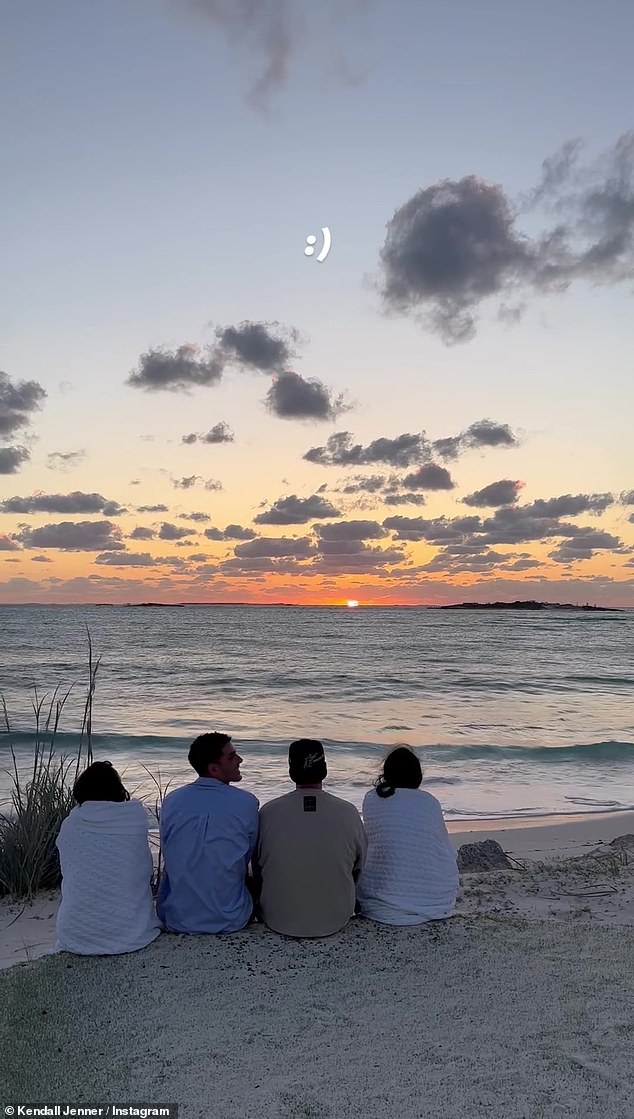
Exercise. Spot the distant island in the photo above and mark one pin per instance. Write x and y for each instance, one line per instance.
(526, 604)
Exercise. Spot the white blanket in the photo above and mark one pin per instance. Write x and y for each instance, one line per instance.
(106, 905)
(410, 875)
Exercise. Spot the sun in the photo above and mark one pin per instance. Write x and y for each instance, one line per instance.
(351, 603)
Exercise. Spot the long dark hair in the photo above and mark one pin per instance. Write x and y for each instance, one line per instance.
(100, 782)
(401, 770)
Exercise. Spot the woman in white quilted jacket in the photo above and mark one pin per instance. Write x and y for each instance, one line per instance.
(104, 853)
(410, 874)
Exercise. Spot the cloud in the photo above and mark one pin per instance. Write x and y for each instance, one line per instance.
(340, 450)
(219, 433)
(191, 438)
(300, 547)
(627, 498)
(173, 532)
(75, 502)
(200, 518)
(176, 370)
(350, 530)
(140, 559)
(151, 509)
(41, 559)
(293, 510)
(213, 485)
(584, 545)
(11, 459)
(231, 532)
(64, 460)
(74, 536)
(263, 346)
(429, 477)
(8, 544)
(504, 492)
(142, 533)
(455, 244)
(276, 35)
(404, 499)
(292, 396)
(18, 401)
(187, 482)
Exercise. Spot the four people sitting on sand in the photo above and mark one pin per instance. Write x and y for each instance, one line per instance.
(312, 859)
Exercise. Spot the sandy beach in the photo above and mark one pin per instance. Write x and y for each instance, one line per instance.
(520, 1006)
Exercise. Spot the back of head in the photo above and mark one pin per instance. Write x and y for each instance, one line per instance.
(205, 750)
(307, 762)
(401, 770)
(100, 781)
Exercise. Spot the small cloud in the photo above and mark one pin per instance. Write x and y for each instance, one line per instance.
(151, 509)
(200, 518)
(176, 370)
(429, 477)
(263, 346)
(142, 533)
(64, 460)
(189, 439)
(231, 532)
(293, 510)
(213, 485)
(219, 433)
(8, 544)
(18, 401)
(504, 492)
(292, 396)
(75, 502)
(41, 559)
(173, 532)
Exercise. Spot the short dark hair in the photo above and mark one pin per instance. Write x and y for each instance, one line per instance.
(401, 770)
(100, 781)
(205, 750)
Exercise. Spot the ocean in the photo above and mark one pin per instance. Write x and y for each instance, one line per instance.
(513, 713)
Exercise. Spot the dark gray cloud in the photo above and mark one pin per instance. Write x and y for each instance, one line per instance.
(437, 530)
(187, 482)
(482, 433)
(429, 477)
(340, 450)
(292, 397)
(199, 518)
(219, 433)
(300, 547)
(278, 36)
(627, 498)
(264, 346)
(41, 559)
(142, 533)
(364, 557)
(176, 370)
(504, 492)
(350, 530)
(139, 559)
(584, 545)
(151, 508)
(8, 544)
(169, 531)
(455, 244)
(11, 459)
(74, 536)
(404, 499)
(293, 510)
(570, 505)
(64, 460)
(75, 502)
(18, 401)
(373, 483)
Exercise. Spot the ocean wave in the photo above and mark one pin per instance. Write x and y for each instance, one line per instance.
(605, 752)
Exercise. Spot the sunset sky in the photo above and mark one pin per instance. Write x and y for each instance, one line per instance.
(192, 409)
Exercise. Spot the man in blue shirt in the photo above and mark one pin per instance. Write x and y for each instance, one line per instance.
(208, 835)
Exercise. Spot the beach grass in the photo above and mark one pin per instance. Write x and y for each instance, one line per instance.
(41, 800)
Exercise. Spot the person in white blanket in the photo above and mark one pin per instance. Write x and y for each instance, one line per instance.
(106, 865)
(410, 874)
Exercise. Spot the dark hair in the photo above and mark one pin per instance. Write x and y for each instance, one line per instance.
(205, 750)
(100, 781)
(401, 770)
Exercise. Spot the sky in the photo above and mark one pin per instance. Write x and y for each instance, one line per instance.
(194, 409)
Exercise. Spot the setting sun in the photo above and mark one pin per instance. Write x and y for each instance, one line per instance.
(352, 602)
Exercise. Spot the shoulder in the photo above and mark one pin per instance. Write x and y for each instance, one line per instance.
(345, 809)
(275, 805)
(245, 799)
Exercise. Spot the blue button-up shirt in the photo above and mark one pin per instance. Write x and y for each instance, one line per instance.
(208, 834)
